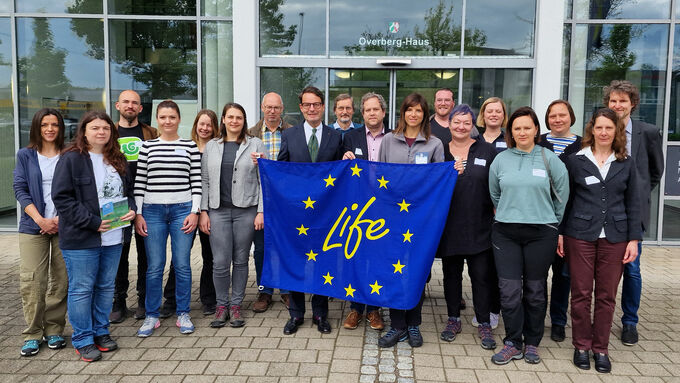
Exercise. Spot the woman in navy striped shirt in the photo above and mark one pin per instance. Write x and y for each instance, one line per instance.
(168, 196)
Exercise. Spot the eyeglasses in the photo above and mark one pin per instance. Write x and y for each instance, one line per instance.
(270, 108)
(307, 105)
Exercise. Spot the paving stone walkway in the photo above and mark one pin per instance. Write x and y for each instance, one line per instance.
(259, 352)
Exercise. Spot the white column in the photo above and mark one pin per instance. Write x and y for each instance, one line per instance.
(245, 50)
(548, 54)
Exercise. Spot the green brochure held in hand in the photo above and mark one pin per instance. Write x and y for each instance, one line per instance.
(113, 210)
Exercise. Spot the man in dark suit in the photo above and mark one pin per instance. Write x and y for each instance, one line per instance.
(644, 146)
(310, 141)
(365, 143)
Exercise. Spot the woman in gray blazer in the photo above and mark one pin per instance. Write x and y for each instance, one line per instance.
(232, 207)
(601, 230)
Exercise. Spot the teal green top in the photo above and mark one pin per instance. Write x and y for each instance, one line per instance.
(520, 188)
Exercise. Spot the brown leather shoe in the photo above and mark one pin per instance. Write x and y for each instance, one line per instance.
(285, 300)
(375, 320)
(352, 320)
(262, 303)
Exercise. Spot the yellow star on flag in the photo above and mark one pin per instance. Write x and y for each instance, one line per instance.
(350, 291)
(356, 170)
(311, 255)
(375, 288)
(328, 279)
(383, 182)
(403, 205)
(407, 236)
(329, 181)
(309, 203)
(302, 230)
(398, 267)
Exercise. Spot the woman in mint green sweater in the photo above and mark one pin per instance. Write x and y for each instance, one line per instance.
(529, 188)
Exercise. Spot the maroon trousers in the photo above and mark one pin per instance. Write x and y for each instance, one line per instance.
(599, 262)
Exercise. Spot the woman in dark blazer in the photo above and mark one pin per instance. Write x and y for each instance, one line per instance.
(601, 231)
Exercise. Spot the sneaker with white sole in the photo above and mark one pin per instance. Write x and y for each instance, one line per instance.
(150, 324)
(184, 324)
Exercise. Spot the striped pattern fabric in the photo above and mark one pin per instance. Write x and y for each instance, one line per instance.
(168, 172)
(560, 143)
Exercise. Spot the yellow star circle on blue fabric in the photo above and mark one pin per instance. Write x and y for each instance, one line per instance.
(398, 267)
(350, 291)
(403, 206)
(329, 181)
(328, 279)
(407, 236)
(311, 255)
(375, 287)
(356, 170)
(309, 203)
(383, 182)
(302, 230)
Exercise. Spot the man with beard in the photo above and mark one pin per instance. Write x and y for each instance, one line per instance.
(343, 108)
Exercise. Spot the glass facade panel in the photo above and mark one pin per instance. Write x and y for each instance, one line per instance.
(158, 60)
(634, 52)
(289, 82)
(153, 7)
(8, 212)
(60, 67)
(512, 85)
(59, 6)
(500, 28)
(674, 120)
(220, 8)
(217, 64)
(423, 28)
(357, 83)
(292, 27)
(671, 221)
(6, 6)
(608, 9)
(566, 54)
(425, 82)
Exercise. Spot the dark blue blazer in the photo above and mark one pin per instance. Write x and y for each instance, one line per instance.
(294, 145)
(575, 146)
(74, 193)
(612, 203)
(28, 188)
(356, 138)
(648, 155)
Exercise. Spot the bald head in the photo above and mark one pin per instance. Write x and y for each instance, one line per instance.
(129, 105)
(272, 108)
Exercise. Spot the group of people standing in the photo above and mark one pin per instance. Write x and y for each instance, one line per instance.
(523, 202)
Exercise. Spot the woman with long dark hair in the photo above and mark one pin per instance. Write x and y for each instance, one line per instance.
(232, 208)
(410, 143)
(88, 180)
(41, 261)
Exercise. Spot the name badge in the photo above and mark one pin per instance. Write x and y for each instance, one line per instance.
(480, 161)
(501, 144)
(358, 151)
(539, 173)
(181, 152)
(421, 158)
(592, 180)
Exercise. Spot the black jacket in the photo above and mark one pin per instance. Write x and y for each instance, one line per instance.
(612, 203)
(294, 145)
(74, 193)
(569, 150)
(468, 226)
(356, 139)
(648, 155)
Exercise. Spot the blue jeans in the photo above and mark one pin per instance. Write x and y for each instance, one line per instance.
(91, 281)
(258, 255)
(161, 220)
(631, 290)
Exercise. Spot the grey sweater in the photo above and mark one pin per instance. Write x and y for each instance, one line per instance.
(395, 149)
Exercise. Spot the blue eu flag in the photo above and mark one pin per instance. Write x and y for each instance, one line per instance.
(355, 230)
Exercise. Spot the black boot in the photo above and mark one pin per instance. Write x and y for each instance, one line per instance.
(119, 312)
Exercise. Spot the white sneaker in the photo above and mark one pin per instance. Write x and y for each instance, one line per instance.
(494, 320)
(150, 324)
(184, 324)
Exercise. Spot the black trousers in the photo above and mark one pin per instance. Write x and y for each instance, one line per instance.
(559, 295)
(206, 287)
(296, 307)
(122, 279)
(523, 254)
(480, 266)
(403, 318)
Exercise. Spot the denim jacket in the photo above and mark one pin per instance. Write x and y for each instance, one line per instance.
(28, 188)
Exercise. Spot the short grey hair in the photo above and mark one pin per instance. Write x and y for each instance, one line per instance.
(369, 95)
(343, 96)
